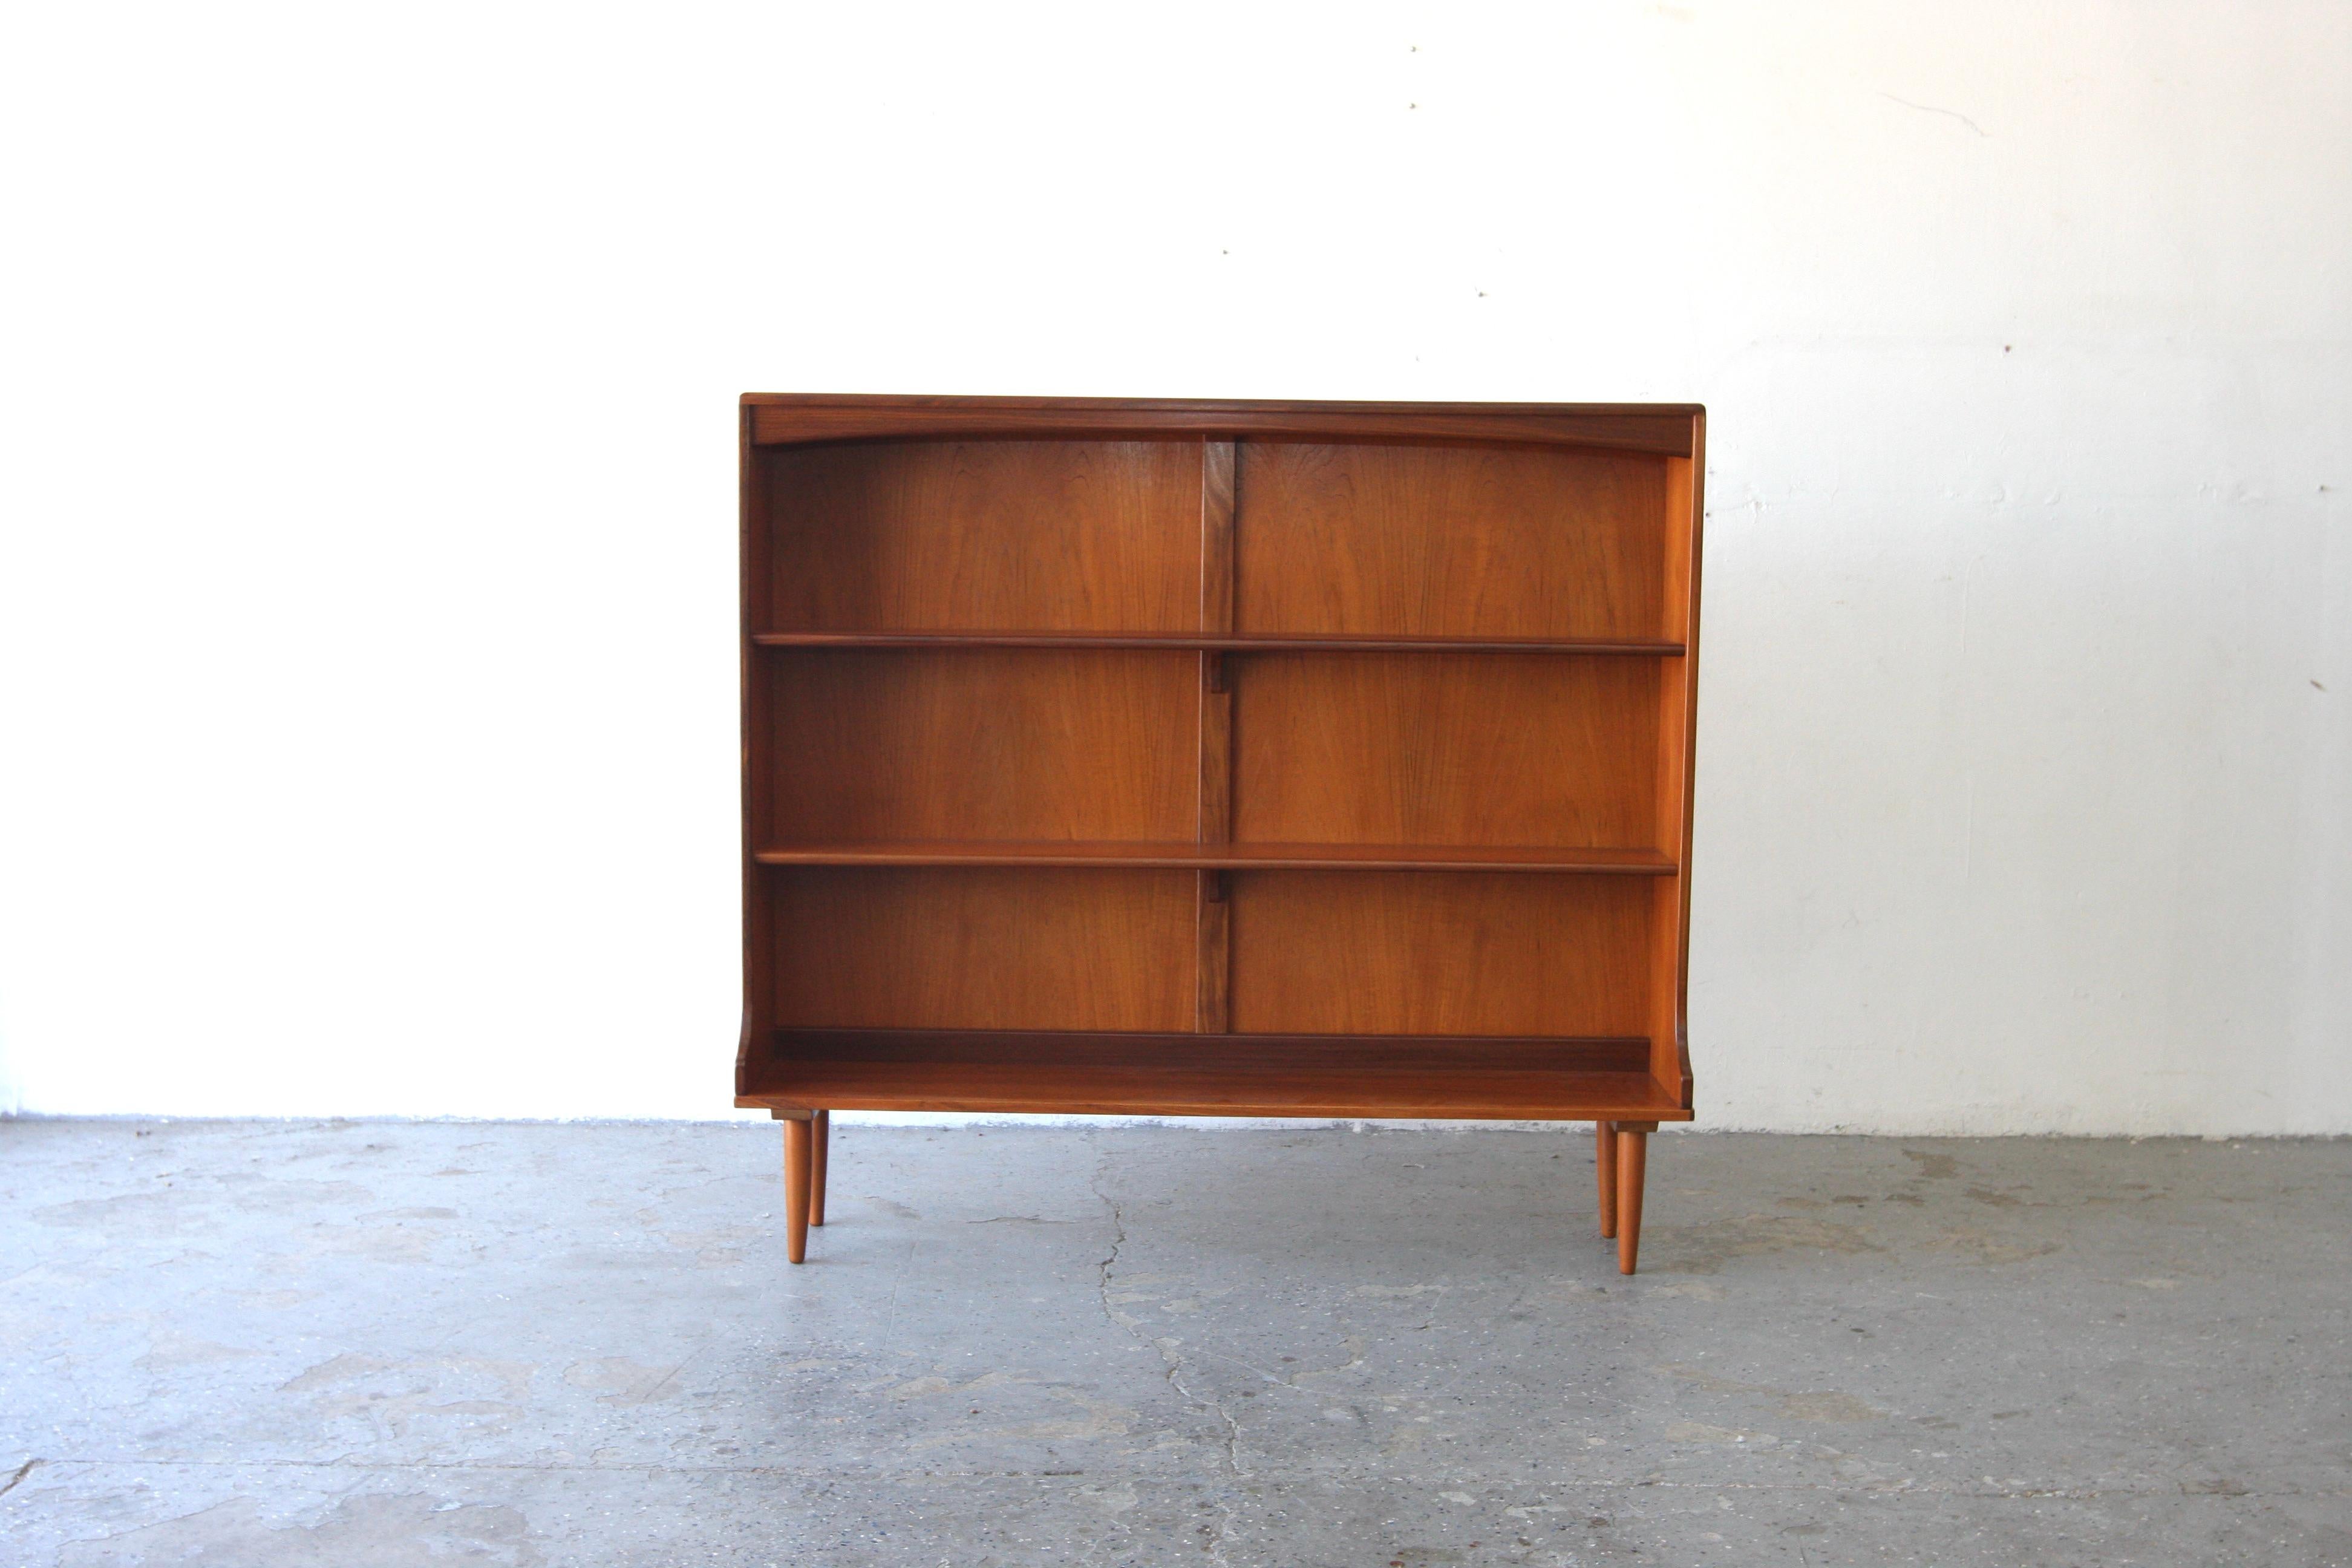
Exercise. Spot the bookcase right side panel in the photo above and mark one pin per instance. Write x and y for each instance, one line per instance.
(1676, 745)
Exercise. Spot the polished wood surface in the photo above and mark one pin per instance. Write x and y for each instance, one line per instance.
(820, 1151)
(1211, 854)
(1218, 758)
(1216, 558)
(1196, 1075)
(798, 1154)
(1678, 734)
(1444, 750)
(938, 536)
(1604, 1164)
(793, 418)
(999, 743)
(1521, 541)
(753, 722)
(1213, 962)
(1670, 912)
(1213, 819)
(1632, 1162)
(983, 948)
(1235, 642)
(1336, 1052)
(1439, 952)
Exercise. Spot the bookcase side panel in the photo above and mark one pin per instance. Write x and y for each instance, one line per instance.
(985, 535)
(1676, 742)
(751, 545)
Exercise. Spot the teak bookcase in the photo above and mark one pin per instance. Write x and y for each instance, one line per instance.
(1218, 759)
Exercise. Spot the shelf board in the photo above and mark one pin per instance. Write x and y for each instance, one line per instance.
(1190, 857)
(1447, 1076)
(1207, 642)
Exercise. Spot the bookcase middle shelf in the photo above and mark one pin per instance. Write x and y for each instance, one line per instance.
(1222, 642)
(1204, 857)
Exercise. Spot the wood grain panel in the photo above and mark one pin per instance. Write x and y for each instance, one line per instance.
(1242, 758)
(1208, 857)
(833, 416)
(1455, 749)
(1213, 966)
(1670, 898)
(1233, 1074)
(970, 948)
(1676, 603)
(1369, 1054)
(1439, 952)
(1216, 808)
(1677, 751)
(999, 744)
(974, 536)
(751, 579)
(1217, 536)
(1257, 642)
(1449, 541)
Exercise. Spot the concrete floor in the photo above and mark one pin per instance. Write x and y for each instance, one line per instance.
(387, 1343)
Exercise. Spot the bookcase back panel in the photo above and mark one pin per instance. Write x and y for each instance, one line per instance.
(1427, 541)
(1439, 952)
(996, 744)
(975, 948)
(984, 535)
(1454, 749)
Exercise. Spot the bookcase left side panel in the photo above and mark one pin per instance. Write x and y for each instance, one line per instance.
(753, 571)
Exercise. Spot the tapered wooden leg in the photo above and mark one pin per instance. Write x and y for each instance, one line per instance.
(820, 1136)
(1632, 1152)
(796, 1188)
(1604, 1161)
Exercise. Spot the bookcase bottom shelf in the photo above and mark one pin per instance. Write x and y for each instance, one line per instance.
(1449, 1078)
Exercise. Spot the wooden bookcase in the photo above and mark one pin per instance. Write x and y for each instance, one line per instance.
(1219, 759)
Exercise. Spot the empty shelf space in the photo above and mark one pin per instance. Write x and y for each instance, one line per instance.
(1209, 1075)
(1187, 856)
(1213, 642)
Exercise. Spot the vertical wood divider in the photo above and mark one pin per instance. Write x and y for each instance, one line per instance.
(1218, 493)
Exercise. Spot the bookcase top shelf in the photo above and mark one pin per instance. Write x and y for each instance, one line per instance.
(1663, 428)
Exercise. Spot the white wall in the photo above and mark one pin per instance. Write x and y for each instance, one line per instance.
(367, 710)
